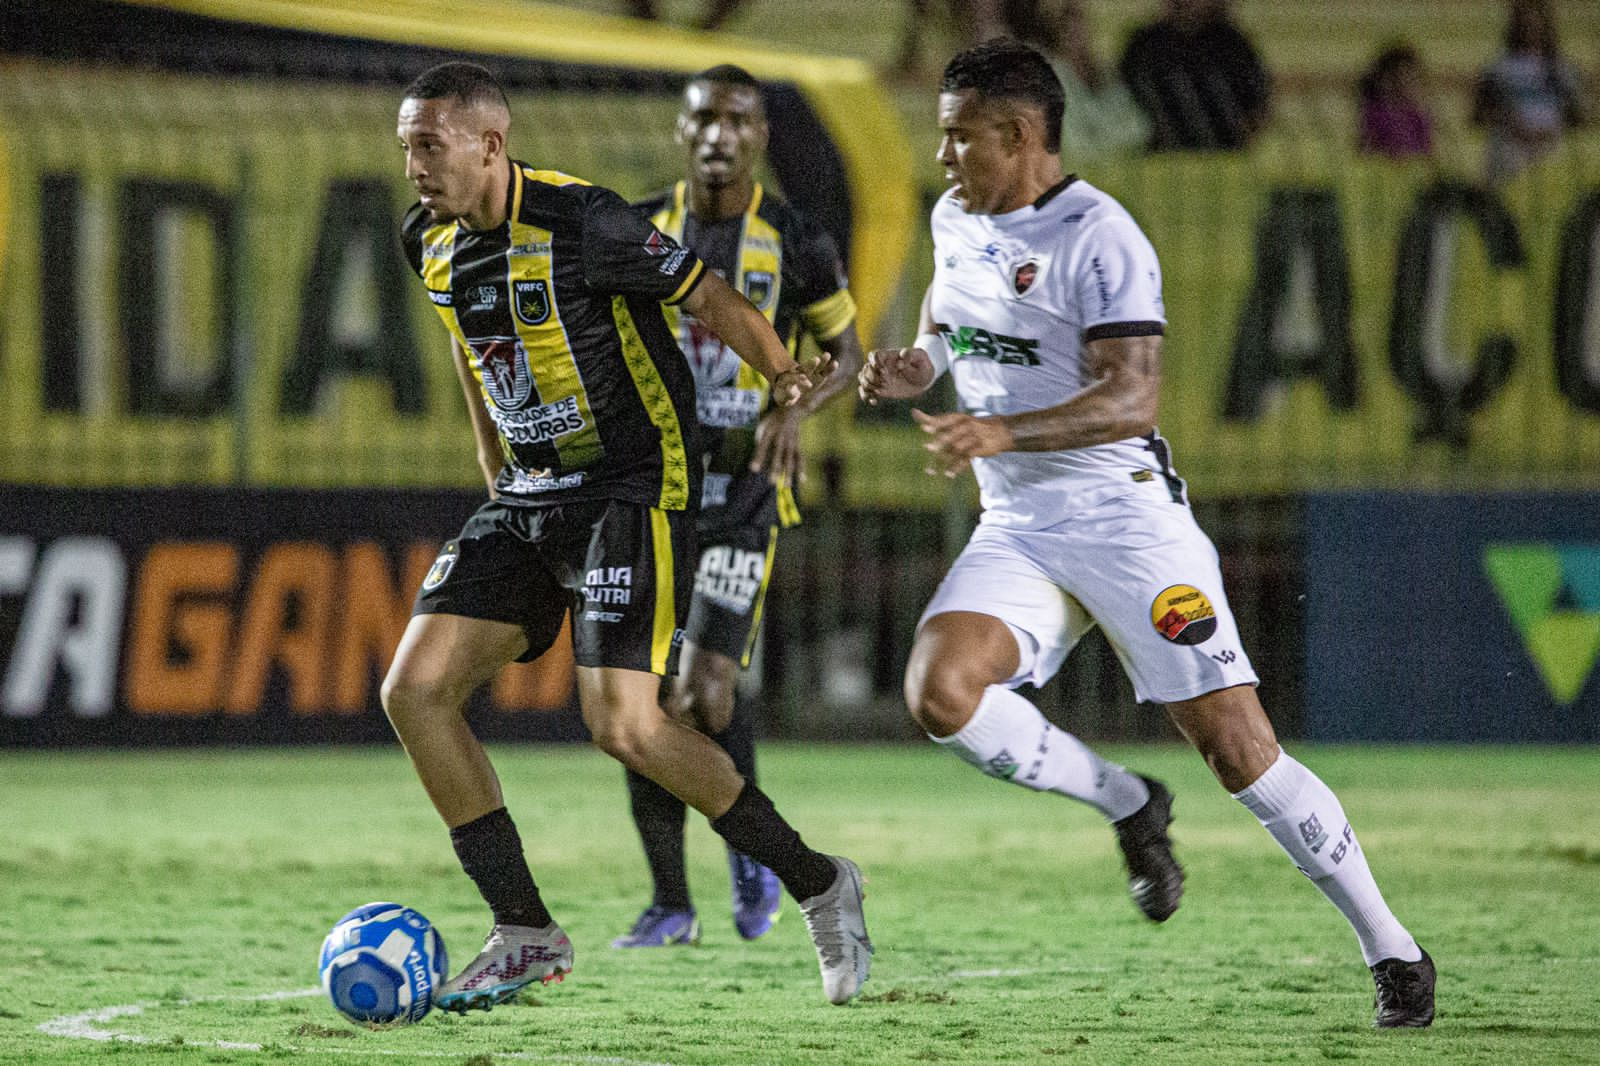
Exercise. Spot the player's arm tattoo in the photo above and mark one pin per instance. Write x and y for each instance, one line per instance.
(1120, 402)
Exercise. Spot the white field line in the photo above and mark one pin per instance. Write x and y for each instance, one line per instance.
(87, 1025)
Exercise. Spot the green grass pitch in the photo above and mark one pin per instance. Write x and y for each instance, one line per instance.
(172, 904)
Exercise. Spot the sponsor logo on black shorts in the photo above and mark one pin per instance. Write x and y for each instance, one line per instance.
(441, 567)
(730, 577)
(1183, 615)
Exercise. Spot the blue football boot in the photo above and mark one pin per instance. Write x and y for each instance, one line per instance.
(757, 895)
(661, 927)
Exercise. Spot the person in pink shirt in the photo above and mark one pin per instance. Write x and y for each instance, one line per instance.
(1394, 119)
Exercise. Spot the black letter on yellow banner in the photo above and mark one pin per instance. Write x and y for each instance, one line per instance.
(1412, 335)
(358, 230)
(1576, 277)
(1300, 239)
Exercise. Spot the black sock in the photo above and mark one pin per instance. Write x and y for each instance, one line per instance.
(658, 815)
(752, 825)
(739, 740)
(491, 853)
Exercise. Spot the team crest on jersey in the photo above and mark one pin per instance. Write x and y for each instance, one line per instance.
(441, 567)
(506, 376)
(1183, 615)
(758, 287)
(531, 299)
(1023, 277)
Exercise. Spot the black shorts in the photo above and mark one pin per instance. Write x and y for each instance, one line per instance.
(621, 568)
(730, 586)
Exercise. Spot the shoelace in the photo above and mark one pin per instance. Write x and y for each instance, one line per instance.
(651, 917)
(1395, 985)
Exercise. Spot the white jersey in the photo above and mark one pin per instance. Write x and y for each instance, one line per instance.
(1016, 297)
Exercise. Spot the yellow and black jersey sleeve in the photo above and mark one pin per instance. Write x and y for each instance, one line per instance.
(815, 278)
(625, 255)
(412, 227)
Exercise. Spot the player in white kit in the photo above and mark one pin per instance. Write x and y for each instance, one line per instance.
(1045, 308)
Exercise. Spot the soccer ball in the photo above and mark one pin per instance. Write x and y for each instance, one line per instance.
(381, 964)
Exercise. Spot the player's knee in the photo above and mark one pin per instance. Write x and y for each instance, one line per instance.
(710, 702)
(625, 739)
(941, 696)
(410, 698)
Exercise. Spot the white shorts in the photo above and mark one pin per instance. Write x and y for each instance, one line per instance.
(1140, 568)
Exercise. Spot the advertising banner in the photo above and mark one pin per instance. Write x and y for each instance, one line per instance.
(1453, 617)
(200, 616)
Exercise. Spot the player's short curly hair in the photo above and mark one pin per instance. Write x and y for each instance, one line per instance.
(1006, 69)
(467, 82)
(728, 74)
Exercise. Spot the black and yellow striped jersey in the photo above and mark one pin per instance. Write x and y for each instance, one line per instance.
(560, 312)
(788, 267)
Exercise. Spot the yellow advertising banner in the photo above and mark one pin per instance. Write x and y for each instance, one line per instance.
(1337, 321)
(201, 286)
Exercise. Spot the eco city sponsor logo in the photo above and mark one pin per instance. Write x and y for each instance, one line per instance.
(978, 343)
(483, 297)
(1183, 615)
(1552, 593)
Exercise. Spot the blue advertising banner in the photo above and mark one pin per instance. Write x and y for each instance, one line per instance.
(1453, 617)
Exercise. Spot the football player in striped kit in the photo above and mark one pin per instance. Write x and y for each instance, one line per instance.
(789, 267)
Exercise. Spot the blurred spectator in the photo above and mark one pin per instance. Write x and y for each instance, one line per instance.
(716, 13)
(1197, 77)
(974, 21)
(1101, 115)
(1530, 95)
(1394, 118)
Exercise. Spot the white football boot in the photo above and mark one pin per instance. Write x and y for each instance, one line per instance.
(839, 931)
(513, 957)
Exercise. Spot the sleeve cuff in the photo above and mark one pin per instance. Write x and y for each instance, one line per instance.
(689, 283)
(1106, 330)
(830, 316)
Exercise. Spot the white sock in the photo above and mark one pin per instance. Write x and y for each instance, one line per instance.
(1305, 818)
(1009, 739)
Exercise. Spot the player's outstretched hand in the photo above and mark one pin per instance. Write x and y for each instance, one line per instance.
(789, 386)
(957, 439)
(778, 445)
(895, 374)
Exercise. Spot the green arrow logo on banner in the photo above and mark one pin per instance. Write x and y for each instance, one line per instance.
(1552, 593)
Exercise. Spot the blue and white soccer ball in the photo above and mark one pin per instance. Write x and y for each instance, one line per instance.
(381, 965)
